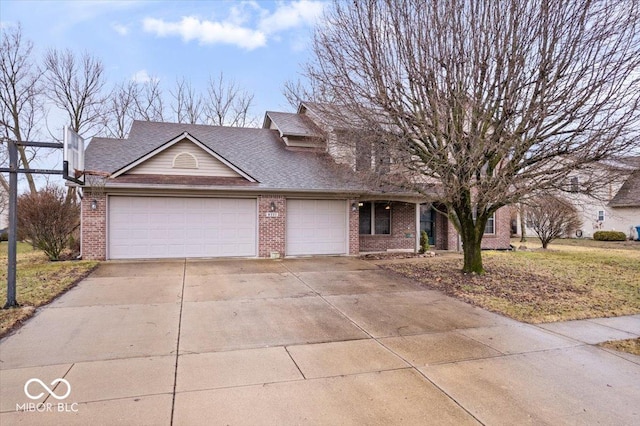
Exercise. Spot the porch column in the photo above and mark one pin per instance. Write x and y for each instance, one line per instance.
(417, 228)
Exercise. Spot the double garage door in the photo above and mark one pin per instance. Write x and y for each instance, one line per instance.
(171, 227)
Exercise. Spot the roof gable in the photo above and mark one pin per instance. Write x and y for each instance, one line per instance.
(629, 193)
(183, 155)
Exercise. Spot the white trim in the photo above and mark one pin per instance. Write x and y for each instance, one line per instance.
(418, 233)
(174, 141)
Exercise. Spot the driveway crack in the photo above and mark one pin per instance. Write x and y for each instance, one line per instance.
(175, 374)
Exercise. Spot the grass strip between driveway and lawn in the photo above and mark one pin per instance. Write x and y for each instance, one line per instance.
(573, 279)
(38, 282)
(631, 346)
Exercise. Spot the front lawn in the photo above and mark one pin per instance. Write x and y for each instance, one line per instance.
(39, 281)
(566, 282)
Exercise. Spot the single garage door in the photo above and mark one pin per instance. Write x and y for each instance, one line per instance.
(165, 227)
(316, 227)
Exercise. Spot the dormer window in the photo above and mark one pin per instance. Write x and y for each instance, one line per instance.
(185, 160)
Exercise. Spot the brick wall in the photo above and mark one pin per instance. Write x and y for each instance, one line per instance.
(354, 237)
(94, 227)
(403, 223)
(271, 230)
(442, 232)
(501, 239)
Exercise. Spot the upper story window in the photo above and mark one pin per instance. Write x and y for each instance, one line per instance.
(375, 218)
(575, 187)
(600, 215)
(185, 160)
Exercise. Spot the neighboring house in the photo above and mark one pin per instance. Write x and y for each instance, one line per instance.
(615, 206)
(181, 190)
(4, 208)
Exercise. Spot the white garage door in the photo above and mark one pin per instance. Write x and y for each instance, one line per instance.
(316, 227)
(164, 227)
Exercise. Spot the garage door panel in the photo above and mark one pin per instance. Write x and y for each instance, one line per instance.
(316, 227)
(164, 227)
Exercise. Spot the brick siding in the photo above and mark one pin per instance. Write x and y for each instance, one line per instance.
(271, 230)
(403, 229)
(354, 227)
(94, 227)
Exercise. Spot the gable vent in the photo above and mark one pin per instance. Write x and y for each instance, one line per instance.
(185, 160)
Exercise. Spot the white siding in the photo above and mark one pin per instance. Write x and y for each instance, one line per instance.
(162, 163)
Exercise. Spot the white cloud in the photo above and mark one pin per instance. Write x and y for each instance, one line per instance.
(123, 30)
(237, 28)
(206, 32)
(292, 15)
(141, 76)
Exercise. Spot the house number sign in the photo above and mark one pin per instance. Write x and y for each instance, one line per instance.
(272, 214)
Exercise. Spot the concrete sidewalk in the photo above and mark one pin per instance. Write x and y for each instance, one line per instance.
(313, 341)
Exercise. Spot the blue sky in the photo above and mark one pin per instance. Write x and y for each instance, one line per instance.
(259, 44)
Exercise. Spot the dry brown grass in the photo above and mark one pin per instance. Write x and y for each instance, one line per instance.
(631, 346)
(39, 281)
(563, 283)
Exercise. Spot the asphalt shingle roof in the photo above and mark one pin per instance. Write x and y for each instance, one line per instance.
(260, 153)
(629, 193)
(291, 124)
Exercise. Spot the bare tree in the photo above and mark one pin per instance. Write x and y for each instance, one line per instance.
(227, 104)
(187, 103)
(551, 217)
(75, 85)
(486, 101)
(120, 108)
(21, 96)
(148, 101)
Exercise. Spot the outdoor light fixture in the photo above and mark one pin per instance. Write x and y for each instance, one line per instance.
(354, 207)
(272, 207)
(94, 204)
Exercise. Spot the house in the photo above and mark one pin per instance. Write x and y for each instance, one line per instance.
(184, 190)
(614, 205)
(4, 208)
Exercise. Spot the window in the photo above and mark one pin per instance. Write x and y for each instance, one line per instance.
(600, 215)
(375, 218)
(365, 218)
(574, 185)
(363, 155)
(490, 227)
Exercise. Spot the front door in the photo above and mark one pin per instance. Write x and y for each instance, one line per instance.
(428, 222)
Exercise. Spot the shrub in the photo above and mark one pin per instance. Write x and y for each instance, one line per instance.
(48, 219)
(552, 217)
(4, 236)
(609, 236)
(424, 242)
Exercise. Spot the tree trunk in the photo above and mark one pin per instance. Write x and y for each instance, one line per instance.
(472, 257)
(523, 225)
(25, 163)
(471, 235)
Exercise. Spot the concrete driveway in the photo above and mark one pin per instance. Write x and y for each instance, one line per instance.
(300, 341)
